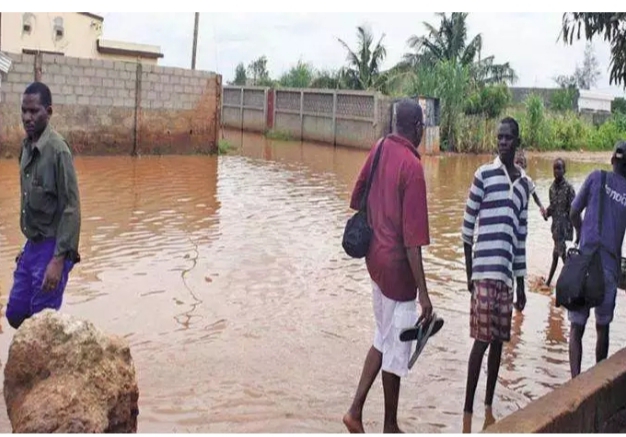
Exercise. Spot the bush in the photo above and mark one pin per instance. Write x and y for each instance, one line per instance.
(488, 101)
(533, 133)
(608, 133)
(567, 132)
(563, 99)
(618, 106)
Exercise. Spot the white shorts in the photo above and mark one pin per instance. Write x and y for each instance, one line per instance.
(391, 318)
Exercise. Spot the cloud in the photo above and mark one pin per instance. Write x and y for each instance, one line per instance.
(527, 40)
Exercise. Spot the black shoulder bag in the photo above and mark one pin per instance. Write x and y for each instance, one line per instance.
(581, 282)
(358, 234)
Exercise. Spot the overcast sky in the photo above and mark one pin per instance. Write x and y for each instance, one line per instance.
(527, 40)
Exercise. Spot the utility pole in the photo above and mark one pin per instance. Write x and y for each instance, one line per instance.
(195, 40)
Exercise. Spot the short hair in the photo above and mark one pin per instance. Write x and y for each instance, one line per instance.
(514, 126)
(406, 106)
(40, 88)
(561, 160)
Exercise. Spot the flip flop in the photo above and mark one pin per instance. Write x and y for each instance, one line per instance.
(412, 333)
(421, 333)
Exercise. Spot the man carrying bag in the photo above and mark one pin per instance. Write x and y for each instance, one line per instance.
(589, 279)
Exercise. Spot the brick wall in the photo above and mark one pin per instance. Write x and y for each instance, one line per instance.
(107, 107)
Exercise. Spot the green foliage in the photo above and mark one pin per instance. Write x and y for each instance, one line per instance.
(606, 25)
(609, 133)
(278, 135)
(363, 70)
(618, 106)
(299, 76)
(535, 119)
(542, 130)
(488, 101)
(328, 79)
(223, 147)
(451, 86)
(563, 99)
(240, 75)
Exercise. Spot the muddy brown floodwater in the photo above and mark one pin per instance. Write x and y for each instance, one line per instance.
(227, 277)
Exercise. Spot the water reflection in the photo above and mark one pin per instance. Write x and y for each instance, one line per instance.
(243, 313)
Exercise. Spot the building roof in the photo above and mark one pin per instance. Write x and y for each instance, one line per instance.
(92, 15)
(128, 49)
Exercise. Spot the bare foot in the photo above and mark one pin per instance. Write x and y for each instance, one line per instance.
(354, 425)
(467, 423)
(489, 418)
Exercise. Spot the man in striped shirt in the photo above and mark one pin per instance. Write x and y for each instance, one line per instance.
(498, 200)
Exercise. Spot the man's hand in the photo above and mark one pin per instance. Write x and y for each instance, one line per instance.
(544, 213)
(427, 307)
(520, 302)
(53, 273)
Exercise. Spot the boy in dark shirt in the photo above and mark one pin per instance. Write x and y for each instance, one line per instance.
(562, 195)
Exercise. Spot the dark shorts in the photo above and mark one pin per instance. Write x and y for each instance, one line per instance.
(27, 298)
(604, 311)
(491, 311)
(561, 233)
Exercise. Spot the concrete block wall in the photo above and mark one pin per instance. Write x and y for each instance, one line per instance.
(107, 107)
(245, 108)
(179, 110)
(593, 402)
(339, 117)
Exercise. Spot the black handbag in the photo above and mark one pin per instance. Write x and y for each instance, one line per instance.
(581, 282)
(357, 233)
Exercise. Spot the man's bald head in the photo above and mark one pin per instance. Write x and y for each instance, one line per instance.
(407, 120)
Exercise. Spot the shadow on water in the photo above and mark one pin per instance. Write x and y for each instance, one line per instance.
(227, 277)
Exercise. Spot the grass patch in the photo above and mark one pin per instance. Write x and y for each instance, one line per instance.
(223, 147)
(279, 135)
(543, 131)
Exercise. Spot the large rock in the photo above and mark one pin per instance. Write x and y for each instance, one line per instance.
(64, 375)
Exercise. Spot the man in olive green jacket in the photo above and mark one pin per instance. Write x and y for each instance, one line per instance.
(49, 213)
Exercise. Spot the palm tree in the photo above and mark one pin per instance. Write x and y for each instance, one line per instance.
(363, 70)
(447, 64)
(449, 43)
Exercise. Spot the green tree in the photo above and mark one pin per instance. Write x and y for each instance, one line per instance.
(299, 76)
(609, 25)
(489, 101)
(240, 75)
(450, 83)
(329, 79)
(618, 106)
(363, 71)
(447, 64)
(258, 70)
(449, 42)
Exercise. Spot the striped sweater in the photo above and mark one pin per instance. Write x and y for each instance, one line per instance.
(501, 208)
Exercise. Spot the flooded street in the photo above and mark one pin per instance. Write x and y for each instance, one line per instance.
(243, 313)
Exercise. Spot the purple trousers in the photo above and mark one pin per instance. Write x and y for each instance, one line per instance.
(27, 298)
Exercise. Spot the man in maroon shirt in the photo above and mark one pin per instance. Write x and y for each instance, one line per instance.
(398, 216)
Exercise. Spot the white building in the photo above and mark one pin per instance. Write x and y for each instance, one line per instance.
(593, 101)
